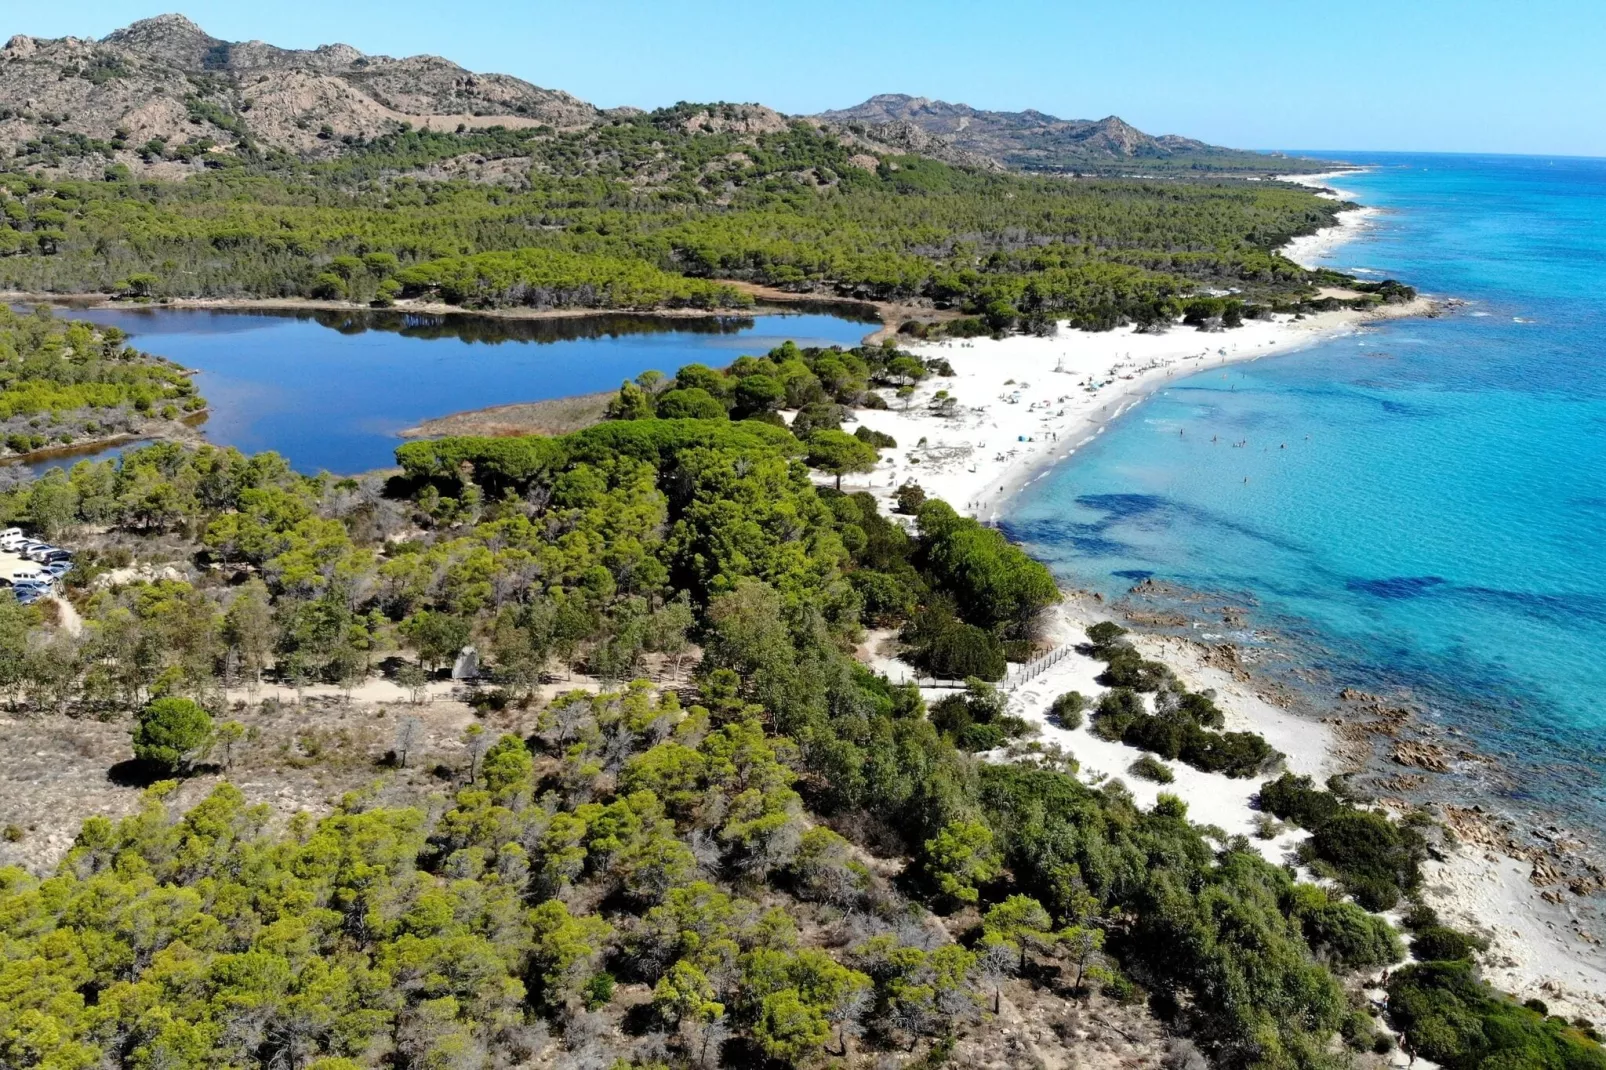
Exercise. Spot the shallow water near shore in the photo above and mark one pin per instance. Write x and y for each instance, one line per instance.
(330, 390)
(1419, 508)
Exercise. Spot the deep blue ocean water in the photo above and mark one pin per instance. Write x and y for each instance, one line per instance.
(1425, 510)
(331, 390)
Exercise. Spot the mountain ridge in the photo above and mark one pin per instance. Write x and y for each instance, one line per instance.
(1032, 140)
(164, 97)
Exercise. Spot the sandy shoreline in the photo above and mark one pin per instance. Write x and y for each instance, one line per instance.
(1310, 250)
(976, 462)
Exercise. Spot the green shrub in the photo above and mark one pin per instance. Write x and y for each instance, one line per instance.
(1419, 916)
(1117, 711)
(880, 440)
(966, 650)
(1125, 667)
(981, 737)
(1446, 1014)
(690, 403)
(1201, 709)
(910, 498)
(1295, 799)
(1343, 931)
(1375, 858)
(975, 720)
(1151, 768)
(1103, 636)
(1439, 943)
(1122, 716)
(1358, 1031)
(823, 416)
(1168, 805)
(599, 990)
(1067, 710)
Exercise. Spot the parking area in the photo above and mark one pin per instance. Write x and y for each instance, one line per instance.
(22, 571)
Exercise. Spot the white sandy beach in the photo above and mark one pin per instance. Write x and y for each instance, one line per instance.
(1534, 949)
(1213, 799)
(1024, 403)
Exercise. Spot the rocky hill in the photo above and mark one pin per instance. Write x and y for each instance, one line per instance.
(167, 79)
(1034, 141)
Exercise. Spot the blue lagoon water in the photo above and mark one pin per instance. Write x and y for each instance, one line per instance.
(330, 391)
(1425, 505)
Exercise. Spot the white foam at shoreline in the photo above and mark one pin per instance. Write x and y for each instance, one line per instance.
(1309, 250)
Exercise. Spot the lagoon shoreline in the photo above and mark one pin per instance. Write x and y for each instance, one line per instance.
(767, 300)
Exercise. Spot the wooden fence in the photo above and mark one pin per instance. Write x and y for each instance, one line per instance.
(1016, 675)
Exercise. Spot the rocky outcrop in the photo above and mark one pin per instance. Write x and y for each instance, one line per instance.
(1429, 756)
(167, 78)
(743, 120)
(905, 138)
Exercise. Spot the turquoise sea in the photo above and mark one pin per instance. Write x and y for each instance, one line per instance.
(1425, 506)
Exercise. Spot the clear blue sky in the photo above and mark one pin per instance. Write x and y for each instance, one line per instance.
(1427, 75)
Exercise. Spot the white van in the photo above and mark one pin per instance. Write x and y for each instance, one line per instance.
(31, 575)
(11, 538)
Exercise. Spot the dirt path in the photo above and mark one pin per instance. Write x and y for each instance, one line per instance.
(71, 622)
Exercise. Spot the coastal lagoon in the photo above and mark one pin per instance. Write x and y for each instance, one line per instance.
(330, 390)
(1418, 509)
